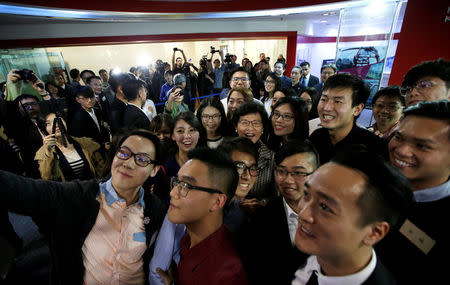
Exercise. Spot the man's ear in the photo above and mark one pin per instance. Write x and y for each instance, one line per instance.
(154, 170)
(218, 202)
(358, 109)
(377, 231)
(77, 99)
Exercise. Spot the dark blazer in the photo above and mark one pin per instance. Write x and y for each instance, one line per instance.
(380, 276)
(116, 115)
(133, 118)
(65, 212)
(266, 249)
(313, 80)
(82, 125)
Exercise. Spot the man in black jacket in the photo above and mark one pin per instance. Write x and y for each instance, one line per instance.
(96, 231)
(135, 91)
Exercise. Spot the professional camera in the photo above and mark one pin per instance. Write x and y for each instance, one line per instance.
(228, 58)
(175, 49)
(26, 74)
(204, 62)
(213, 50)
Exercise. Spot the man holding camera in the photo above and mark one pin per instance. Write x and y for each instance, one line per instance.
(218, 70)
(206, 77)
(178, 66)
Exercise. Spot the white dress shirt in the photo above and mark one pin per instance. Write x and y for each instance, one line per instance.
(292, 219)
(94, 117)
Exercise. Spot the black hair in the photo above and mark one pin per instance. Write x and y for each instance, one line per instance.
(287, 91)
(192, 120)
(332, 66)
(239, 69)
(239, 144)
(131, 88)
(264, 61)
(132, 69)
(90, 78)
(85, 71)
(252, 108)
(221, 169)
(160, 120)
(277, 79)
(301, 127)
(26, 96)
(280, 62)
(102, 70)
(436, 68)
(168, 72)
(305, 63)
(392, 92)
(387, 194)
(439, 110)
(360, 91)
(294, 147)
(150, 136)
(74, 73)
(215, 103)
(116, 80)
(58, 121)
(85, 91)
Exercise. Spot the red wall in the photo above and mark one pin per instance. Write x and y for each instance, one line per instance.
(425, 36)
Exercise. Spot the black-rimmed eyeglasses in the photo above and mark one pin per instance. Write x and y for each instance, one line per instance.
(141, 159)
(183, 188)
(242, 168)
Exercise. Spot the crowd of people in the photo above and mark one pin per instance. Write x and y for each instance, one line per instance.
(224, 174)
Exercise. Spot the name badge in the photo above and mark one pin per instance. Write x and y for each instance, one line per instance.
(418, 237)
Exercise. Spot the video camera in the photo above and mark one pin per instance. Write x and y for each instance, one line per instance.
(175, 49)
(28, 75)
(228, 58)
(204, 62)
(213, 50)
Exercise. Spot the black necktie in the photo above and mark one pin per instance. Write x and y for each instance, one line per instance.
(313, 279)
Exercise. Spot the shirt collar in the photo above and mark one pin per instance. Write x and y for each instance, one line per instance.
(356, 278)
(112, 197)
(288, 209)
(433, 194)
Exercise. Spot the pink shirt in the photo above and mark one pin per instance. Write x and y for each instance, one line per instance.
(112, 252)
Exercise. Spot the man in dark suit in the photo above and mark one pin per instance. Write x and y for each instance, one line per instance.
(325, 72)
(348, 205)
(307, 80)
(119, 103)
(102, 103)
(135, 92)
(87, 121)
(268, 240)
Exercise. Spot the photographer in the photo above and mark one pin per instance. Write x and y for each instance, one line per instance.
(218, 69)
(24, 81)
(178, 63)
(206, 77)
(175, 104)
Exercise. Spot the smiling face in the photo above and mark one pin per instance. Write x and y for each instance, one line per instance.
(291, 188)
(246, 181)
(387, 111)
(335, 109)
(250, 126)
(325, 73)
(178, 95)
(437, 91)
(269, 84)
(126, 175)
(240, 79)
(420, 148)
(278, 69)
(329, 223)
(96, 85)
(280, 126)
(86, 102)
(235, 100)
(211, 119)
(185, 136)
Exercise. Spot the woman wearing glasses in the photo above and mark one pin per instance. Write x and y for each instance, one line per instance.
(289, 120)
(251, 122)
(214, 121)
(387, 107)
(271, 84)
(187, 133)
(63, 157)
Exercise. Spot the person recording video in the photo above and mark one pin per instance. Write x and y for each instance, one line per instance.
(206, 77)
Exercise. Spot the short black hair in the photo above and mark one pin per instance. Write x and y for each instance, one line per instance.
(150, 136)
(280, 62)
(168, 72)
(439, 110)
(102, 70)
(239, 69)
(221, 169)
(90, 78)
(305, 63)
(436, 68)
(252, 108)
(26, 96)
(239, 144)
(131, 88)
(294, 147)
(387, 194)
(159, 120)
(264, 61)
(332, 66)
(86, 71)
(132, 69)
(360, 91)
(85, 91)
(287, 91)
(392, 92)
(74, 73)
(116, 80)
(312, 92)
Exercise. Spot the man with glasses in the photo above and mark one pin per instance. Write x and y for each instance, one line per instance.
(206, 183)
(99, 232)
(268, 241)
(342, 100)
(427, 81)
(239, 77)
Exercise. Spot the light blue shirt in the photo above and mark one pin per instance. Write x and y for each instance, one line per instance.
(433, 194)
(112, 197)
(218, 73)
(168, 246)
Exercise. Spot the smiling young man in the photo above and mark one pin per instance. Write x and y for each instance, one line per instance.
(420, 149)
(347, 206)
(342, 101)
(99, 232)
(273, 227)
(205, 184)
(427, 81)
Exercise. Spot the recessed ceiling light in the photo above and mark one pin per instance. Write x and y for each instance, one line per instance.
(323, 21)
(325, 14)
